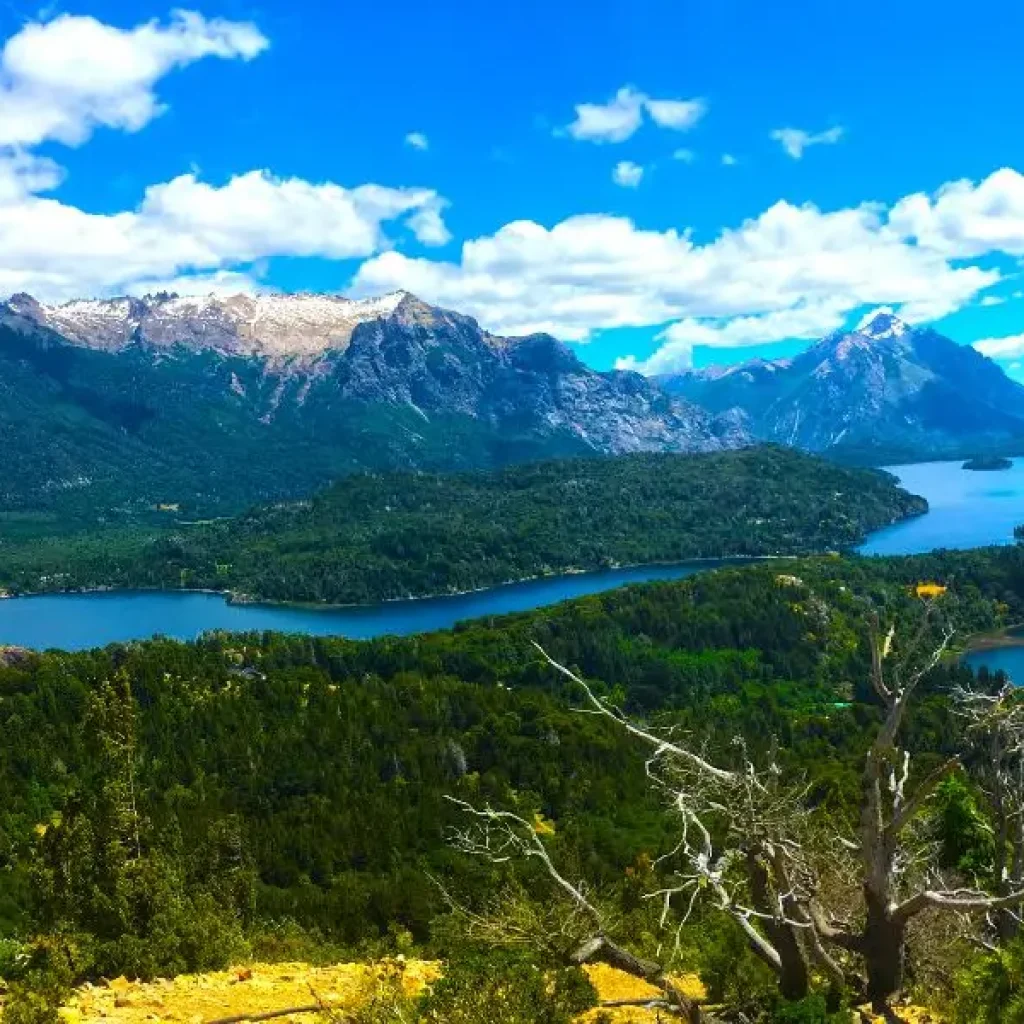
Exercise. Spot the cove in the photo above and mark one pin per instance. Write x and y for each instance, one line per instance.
(80, 621)
(966, 509)
(1009, 659)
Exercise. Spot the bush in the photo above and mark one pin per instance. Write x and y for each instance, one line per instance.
(42, 981)
(731, 973)
(501, 987)
(811, 1010)
(990, 990)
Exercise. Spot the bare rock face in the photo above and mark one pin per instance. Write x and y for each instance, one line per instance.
(284, 392)
(270, 326)
(11, 657)
(885, 388)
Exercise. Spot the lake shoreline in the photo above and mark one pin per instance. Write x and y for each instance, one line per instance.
(240, 599)
(999, 639)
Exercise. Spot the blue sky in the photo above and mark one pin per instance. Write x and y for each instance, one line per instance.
(233, 149)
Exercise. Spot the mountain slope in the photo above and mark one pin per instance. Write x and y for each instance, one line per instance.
(216, 403)
(384, 536)
(883, 391)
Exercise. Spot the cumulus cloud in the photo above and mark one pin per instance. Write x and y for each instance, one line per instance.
(803, 322)
(1010, 347)
(220, 282)
(791, 272)
(795, 140)
(681, 115)
(619, 118)
(728, 160)
(417, 140)
(964, 220)
(627, 174)
(188, 226)
(687, 156)
(61, 79)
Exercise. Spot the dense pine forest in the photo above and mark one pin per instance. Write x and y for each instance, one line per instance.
(377, 537)
(169, 807)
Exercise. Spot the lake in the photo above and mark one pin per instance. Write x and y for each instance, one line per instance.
(967, 509)
(999, 659)
(79, 621)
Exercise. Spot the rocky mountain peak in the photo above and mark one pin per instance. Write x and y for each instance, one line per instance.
(883, 387)
(274, 325)
(881, 324)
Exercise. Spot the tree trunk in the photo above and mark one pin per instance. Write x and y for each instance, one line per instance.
(794, 981)
(883, 951)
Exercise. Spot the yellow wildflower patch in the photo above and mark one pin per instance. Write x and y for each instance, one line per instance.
(542, 826)
(255, 988)
(262, 988)
(614, 984)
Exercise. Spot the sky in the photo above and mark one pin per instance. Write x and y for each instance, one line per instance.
(660, 184)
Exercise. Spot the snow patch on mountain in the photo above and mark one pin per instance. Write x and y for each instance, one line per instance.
(882, 323)
(271, 325)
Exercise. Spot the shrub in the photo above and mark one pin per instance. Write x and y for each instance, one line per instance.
(990, 990)
(502, 987)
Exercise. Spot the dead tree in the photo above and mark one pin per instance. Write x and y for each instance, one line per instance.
(501, 836)
(995, 726)
(759, 873)
(896, 884)
(748, 842)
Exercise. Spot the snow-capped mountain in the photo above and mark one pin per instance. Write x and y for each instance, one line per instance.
(272, 326)
(883, 390)
(231, 400)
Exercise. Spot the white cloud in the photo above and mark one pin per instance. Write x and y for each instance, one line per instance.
(627, 174)
(417, 140)
(619, 118)
(793, 271)
(680, 115)
(187, 226)
(964, 220)
(220, 282)
(728, 160)
(795, 140)
(1011, 347)
(993, 300)
(687, 156)
(807, 322)
(614, 121)
(61, 79)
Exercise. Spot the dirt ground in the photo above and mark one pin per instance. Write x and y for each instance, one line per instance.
(260, 988)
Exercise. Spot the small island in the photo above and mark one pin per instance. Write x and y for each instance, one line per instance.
(988, 463)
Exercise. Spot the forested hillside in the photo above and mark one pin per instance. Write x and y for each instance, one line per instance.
(376, 537)
(167, 805)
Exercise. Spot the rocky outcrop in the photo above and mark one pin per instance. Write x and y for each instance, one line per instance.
(885, 389)
(286, 392)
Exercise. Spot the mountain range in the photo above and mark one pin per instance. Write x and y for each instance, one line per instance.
(214, 403)
(884, 392)
(211, 404)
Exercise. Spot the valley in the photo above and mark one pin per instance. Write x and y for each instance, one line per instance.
(511, 513)
(191, 783)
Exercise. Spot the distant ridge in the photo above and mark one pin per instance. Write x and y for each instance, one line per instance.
(883, 391)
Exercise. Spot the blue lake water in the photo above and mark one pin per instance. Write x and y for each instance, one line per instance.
(999, 659)
(967, 509)
(77, 621)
